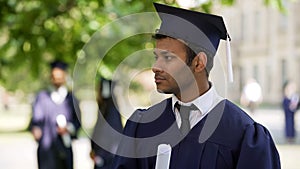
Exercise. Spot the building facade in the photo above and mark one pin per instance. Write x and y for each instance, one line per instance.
(265, 46)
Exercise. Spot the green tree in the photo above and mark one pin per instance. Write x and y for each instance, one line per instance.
(34, 33)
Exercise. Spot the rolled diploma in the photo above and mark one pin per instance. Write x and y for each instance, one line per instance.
(163, 156)
(62, 122)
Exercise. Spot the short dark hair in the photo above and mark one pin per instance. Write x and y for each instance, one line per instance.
(59, 64)
(190, 53)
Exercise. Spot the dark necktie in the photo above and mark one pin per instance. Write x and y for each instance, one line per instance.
(184, 112)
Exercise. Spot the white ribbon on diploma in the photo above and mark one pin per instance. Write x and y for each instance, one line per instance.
(163, 156)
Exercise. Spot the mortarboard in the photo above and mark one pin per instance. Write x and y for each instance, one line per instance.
(200, 31)
(59, 64)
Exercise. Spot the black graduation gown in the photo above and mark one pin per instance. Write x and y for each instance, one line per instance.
(289, 118)
(100, 135)
(236, 141)
(52, 153)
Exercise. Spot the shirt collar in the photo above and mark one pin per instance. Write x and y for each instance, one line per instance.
(59, 95)
(204, 102)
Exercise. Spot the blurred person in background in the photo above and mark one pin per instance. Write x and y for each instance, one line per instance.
(5, 99)
(55, 121)
(251, 95)
(110, 115)
(290, 104)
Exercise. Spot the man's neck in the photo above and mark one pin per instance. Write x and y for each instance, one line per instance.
(192, 93)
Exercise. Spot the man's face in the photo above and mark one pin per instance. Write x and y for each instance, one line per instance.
(172, 75)
(58, 77)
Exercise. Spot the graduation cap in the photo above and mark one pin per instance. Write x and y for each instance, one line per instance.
(200, 31)
(59, 64)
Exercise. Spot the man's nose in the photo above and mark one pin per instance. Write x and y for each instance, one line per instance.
(157, 67)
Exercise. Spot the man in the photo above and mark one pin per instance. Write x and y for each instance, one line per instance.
(55, 122)
(290, 105)
(102, 157)
(204, 130)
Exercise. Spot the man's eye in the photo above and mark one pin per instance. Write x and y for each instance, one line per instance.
(168, 57)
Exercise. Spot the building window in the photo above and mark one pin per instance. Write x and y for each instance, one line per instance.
(269, 76)
(257, 25)
(255, 72)
(283, 72)
(243, 26)
(283, 23)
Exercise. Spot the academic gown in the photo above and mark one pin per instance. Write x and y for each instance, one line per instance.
(52, 153)
(289, 118)
(101, 135)
(236, 141)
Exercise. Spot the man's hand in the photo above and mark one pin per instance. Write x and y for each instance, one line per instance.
(37, 133)
(62, 130)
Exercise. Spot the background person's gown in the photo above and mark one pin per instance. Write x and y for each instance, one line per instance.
(52, 154)
(237, 143)
(289, 118)
(111, 117)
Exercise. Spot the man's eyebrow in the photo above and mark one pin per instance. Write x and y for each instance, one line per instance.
(163, 52)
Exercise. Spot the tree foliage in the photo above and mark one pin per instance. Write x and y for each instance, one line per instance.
(34, 33)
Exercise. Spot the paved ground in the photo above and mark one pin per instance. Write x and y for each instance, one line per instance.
(18, 150)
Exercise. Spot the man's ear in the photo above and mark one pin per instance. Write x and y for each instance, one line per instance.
(199, 62)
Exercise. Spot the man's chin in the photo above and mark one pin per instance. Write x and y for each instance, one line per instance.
(163, 91)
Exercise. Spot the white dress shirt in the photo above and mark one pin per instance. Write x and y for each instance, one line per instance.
(59, 95)
(204, 103)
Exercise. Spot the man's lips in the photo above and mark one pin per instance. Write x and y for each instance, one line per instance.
(159, 78)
